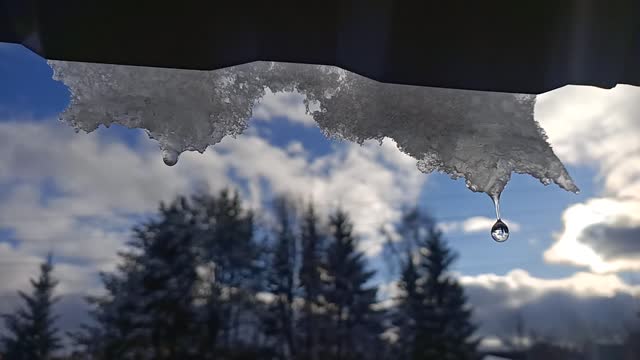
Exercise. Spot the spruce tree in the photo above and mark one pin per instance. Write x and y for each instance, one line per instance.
(169, 281)
(312, 242)
(228, 244)
(353, 321)
(411, 231)
(182, 288)
(405, 315)
(115, 331)
(32, 334)
(152, 304)
(433, 299)
(281, 279)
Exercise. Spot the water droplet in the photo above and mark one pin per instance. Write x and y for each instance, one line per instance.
(170, 157)
(500, 231)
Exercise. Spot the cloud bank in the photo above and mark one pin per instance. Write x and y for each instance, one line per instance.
(598, 128)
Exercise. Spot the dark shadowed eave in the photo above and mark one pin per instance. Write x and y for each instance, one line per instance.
(523, 47)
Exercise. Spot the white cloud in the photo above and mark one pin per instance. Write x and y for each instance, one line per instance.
(287, 105)
(371, 182)
(527, 288)
(18, 266)
(587, 125)
(296, 148)
(475, 224)
(574, 307)
(75, 193)
(600, 128)
(72, 193)
(14, 261)
(579, 217)
(581, 306)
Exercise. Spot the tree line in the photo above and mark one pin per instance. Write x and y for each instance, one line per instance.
(208, 278)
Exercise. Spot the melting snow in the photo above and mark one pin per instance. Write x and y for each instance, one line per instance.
(481, 136)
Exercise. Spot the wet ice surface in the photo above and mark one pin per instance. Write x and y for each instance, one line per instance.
(481, 136)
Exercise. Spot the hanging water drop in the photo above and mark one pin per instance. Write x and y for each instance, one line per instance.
(170, 157)
(499, 230)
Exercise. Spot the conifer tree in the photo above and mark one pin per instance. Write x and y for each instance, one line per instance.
(353, 320)
(152, 304)
(32, 334)
(312, 242)
(433, 299)
(182, 288)
(229, 247)
(281, 278)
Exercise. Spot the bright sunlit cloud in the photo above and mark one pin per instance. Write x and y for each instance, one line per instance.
(598, 128)
(76, 193)
(570, 246)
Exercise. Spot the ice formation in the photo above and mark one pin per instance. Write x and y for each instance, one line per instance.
(481, 136)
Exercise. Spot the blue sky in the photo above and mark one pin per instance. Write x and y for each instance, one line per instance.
(536, 259)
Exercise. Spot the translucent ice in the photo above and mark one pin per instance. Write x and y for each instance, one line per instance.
(481, 136)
